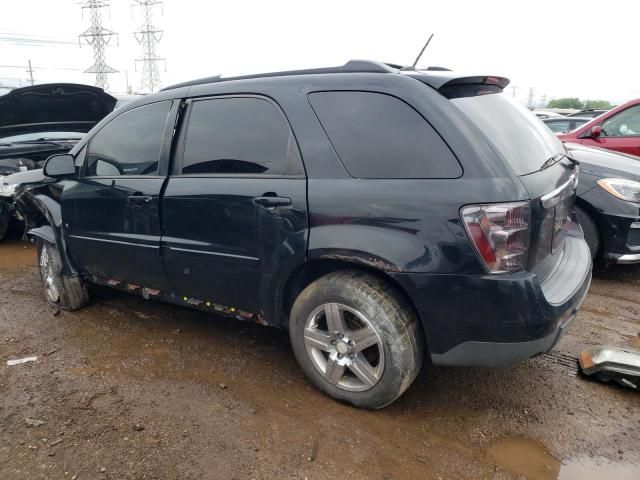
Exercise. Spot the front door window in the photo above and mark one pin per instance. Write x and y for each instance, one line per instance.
(623, 124)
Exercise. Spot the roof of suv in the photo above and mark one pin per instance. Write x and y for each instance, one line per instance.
(436, 77)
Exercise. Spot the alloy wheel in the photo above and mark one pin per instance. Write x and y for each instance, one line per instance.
(344, 347)
(47, 275)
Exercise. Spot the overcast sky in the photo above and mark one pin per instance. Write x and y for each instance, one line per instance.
(584, 48)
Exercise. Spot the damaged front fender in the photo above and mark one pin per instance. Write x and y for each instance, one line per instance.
(44, 232)
(44, 217)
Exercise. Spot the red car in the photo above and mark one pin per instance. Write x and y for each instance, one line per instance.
(618, 129)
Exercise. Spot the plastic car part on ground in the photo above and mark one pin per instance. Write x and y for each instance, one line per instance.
(19, 361)
(612, 364)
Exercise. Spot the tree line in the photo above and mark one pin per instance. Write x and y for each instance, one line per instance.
(578, 104)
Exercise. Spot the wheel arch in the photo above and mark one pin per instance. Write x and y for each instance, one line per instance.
(46, 217)
(594, 215)
(312, 270)
(45, 232)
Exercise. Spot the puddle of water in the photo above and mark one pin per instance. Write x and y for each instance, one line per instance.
(16, 254)
(597, 469)
(526, 457)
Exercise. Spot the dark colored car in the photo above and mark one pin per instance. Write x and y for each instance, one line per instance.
(588, 113)
(542, 114)
(377, 213)
(618, 129)
(38, 121)
(564, 124)
(608, 203)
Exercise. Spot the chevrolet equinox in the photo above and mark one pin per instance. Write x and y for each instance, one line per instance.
(380, 214)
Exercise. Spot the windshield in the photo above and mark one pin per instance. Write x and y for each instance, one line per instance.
(29, 137)
(518, 134)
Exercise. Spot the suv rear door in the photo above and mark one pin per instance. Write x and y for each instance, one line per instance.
(111, 210)
(234, 211)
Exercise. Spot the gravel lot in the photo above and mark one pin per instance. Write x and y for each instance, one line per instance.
(133, 389)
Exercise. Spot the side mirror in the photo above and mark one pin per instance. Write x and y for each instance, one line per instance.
(596, 131)
(60, 166)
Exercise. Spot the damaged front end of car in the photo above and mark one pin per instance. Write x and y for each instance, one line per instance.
(7, 205)
(11, 187)
(37, 122)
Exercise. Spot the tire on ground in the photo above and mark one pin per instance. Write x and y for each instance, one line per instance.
(591, 232)
(392, 318)
(72, 292)
(5, 219)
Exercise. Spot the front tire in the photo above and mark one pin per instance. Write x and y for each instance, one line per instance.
(5, 219)
(69, 293)
(356, 338)
(590, 230)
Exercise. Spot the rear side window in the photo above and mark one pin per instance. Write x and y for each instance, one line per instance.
(239, 135)
(129, 144)
(518, 134)
(380, 136)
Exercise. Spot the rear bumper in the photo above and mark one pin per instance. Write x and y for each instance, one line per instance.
(497, 320)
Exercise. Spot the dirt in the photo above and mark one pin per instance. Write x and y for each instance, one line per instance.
(129, 388)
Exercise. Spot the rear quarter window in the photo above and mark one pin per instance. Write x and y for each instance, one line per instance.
(380, 136)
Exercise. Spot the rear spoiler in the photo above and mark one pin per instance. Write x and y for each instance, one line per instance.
(452, 86)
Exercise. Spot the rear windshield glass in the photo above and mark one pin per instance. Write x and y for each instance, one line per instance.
(519, 135)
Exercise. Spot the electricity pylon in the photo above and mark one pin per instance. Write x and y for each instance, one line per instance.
(98, 38)
(148, 36)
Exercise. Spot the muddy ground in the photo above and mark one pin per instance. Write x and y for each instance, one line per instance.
(133, 389)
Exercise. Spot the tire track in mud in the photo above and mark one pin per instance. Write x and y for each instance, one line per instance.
(610, 296)
(559, 360)
(607, 314)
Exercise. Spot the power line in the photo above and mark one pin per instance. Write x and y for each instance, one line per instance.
(98, 38)
(32, 40)
(36, 36)
(148, 36)
(20, 81)
(41, 68)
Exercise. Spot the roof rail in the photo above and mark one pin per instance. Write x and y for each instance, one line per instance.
(352, 66)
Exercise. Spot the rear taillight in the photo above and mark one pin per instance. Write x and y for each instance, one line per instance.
(499, 233)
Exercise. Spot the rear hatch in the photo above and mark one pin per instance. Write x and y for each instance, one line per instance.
(540, 160)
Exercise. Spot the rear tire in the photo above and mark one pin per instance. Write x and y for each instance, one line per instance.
(356, 338)
(591, 231)
(69, 293)
(5, 219)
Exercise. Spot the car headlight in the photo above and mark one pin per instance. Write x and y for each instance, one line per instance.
(6, 189)
(627, 190)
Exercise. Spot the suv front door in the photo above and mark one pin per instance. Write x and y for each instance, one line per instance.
(111, 210)
(234, 212)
